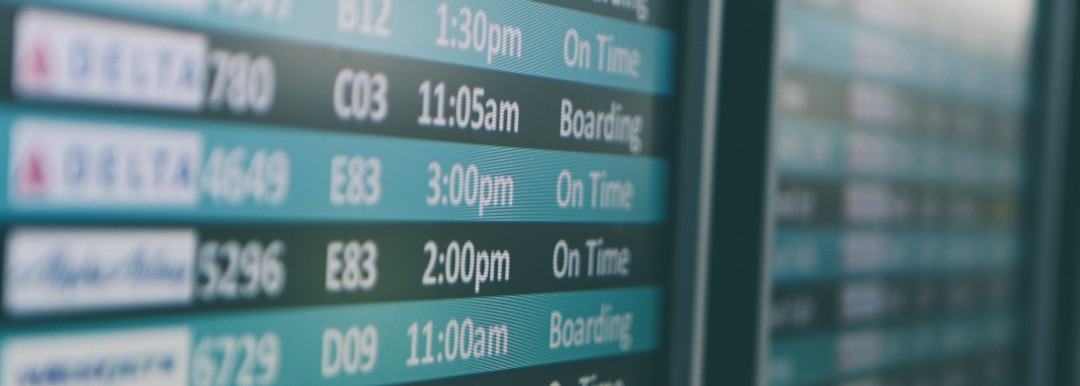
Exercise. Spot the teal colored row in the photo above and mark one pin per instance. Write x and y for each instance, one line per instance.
(352, 345)
(518, 36)
(820, 150)
(818, 41)
(74, 166)
(817, 359)
(824, 255)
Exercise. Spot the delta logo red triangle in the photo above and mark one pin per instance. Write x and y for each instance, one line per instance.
(35, 65)
(30, 176)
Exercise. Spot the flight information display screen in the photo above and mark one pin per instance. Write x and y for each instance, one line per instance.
(896, 240)
(338, 192)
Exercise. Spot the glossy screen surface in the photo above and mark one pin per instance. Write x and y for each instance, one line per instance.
(338, 192)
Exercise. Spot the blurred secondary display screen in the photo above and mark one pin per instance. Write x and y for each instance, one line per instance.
(899, 136)
(340, 192)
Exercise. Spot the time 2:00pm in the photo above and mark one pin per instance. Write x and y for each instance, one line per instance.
(465, 264)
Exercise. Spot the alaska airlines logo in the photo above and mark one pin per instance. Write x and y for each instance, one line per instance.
(57, 162)
(60, 268)
(64, 56)
(120, 358)
(71, 270)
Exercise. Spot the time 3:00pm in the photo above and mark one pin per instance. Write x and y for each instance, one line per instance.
(238, 176)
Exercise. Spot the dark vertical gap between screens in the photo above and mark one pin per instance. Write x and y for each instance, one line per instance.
(740, 194)
(695, 77)
(668, 267)
(1041, 358)
(1066, 339)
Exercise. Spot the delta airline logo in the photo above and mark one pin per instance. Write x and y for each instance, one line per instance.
(49, 271)
(34, 67)
(69, 57)
(66, 163)
(31, 173)
(122, 358)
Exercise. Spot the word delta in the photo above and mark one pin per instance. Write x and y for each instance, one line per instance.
(111, 168)
(602, 328)
(67, 163)
(612, 126)
(611, 58)
(601, 261)
(69, 57)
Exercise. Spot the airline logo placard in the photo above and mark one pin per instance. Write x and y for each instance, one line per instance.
(122, 358)
(61, 270)
(63, 56)
(60, 163)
